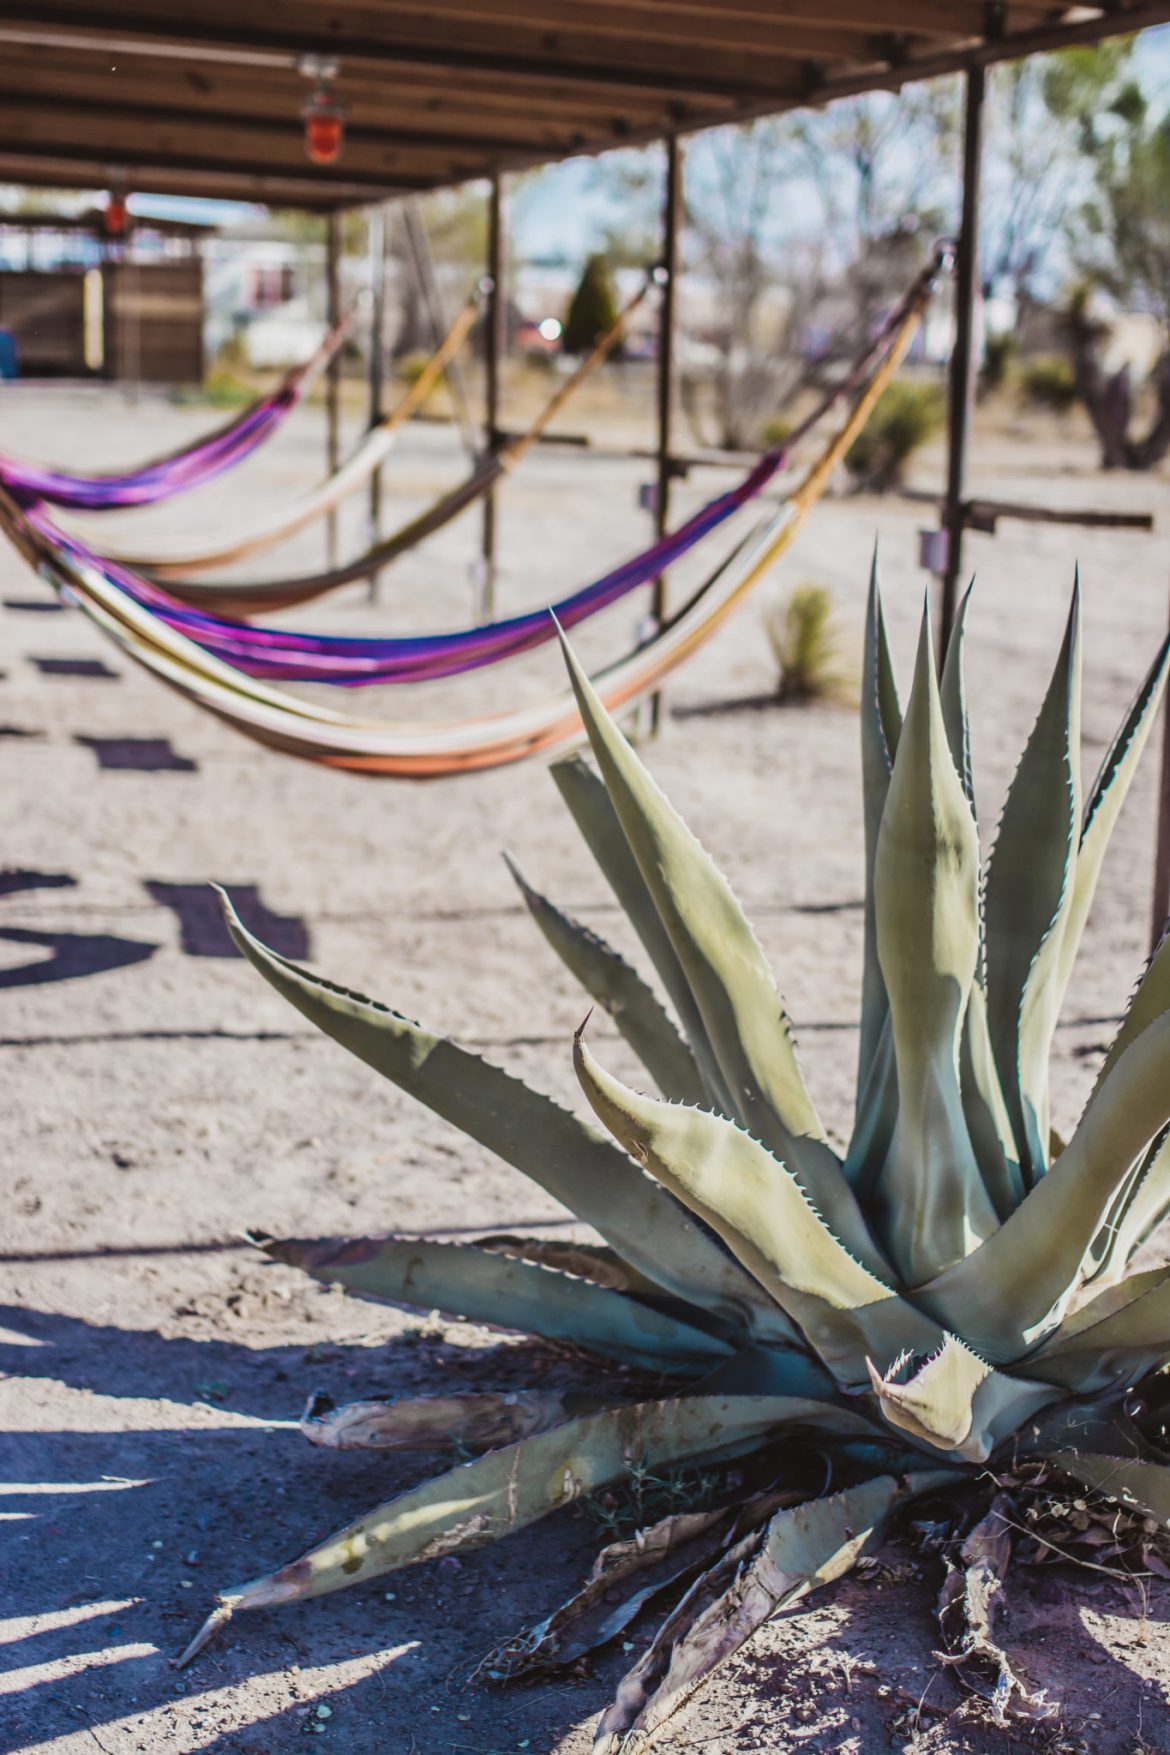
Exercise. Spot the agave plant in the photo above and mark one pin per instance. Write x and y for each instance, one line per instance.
(956, 1295)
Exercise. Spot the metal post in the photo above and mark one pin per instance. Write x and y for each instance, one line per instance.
(1161, 906)
(333, 372)
(961, 400)
(671, 229)
(495, 348)
(377, 364)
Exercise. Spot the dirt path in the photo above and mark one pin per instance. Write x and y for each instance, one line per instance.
(158, 1099)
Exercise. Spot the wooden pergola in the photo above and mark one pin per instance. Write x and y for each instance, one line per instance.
(205, 98)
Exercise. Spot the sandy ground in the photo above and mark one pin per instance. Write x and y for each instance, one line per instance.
(158, 1098)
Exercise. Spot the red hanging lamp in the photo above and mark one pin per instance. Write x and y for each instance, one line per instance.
(116, 215)
(323, 112)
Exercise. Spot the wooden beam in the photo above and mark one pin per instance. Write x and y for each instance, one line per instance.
(124, 138)
(1160, 910)
(961, 394)
(535, 55)
(71, 167)
(392, 107)
(672, 222)
(333, 250)
(495, 353)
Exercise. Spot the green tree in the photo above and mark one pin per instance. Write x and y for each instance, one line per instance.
(592, 309)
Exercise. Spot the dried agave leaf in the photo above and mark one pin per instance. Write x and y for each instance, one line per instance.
(972, 1596)
(476, 1422)
(803, 1547)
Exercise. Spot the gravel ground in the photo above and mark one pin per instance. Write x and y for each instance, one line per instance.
(159, 1098)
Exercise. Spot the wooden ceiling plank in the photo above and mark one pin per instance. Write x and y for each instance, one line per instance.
(571, 58)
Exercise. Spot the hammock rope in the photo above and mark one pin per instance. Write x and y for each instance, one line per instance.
(410, 749)
(242, 598)
(352, 662)
(181, 470)
(369, 457)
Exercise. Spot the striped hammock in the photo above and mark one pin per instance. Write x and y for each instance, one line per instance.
(291, 656)
(242, 598)
(178, 471)
(410, 749)
(369, 457)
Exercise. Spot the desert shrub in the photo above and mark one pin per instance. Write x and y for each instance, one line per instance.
(592, 309)
(906, 416)
(1000, 356)
(776, 432)
(806, 643)
(1049, 383)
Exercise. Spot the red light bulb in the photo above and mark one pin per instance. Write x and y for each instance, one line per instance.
(324, 128)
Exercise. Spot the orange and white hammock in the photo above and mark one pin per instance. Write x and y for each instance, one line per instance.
(412, 749)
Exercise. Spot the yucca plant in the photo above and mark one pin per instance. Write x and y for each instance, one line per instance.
(954, 1300)
(806, 644)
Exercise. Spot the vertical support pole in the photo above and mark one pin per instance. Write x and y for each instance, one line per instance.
(495, 348)
(333, 372)
(667, 324)
(377, 364)
(961, 400)
(1161, 904)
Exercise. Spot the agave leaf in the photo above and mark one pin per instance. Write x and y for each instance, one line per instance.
(760, 1210)
(876, 1118)
(434, 1422)
(810, 1545)
(506, 1490)
(988, 1121)
(485, 1287)
(1140, 1209)
(952, 691)
(1014, 1289)
(881, 725)
(1113, 1340)
(527, 1129)
(931, 1197)
(958, 1403)
(1029, 901)
(588, 1261)
(1149, 1000)
(769, 1371)
(621, 992)
(591, 807)
(1105, 803)
(1144, 1485)
(725, 968)
(625, 1577)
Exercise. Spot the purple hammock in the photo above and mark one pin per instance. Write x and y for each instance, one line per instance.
(352, 661)
(180, 470)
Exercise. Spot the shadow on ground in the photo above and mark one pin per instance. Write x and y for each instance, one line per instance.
(119, 1537)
